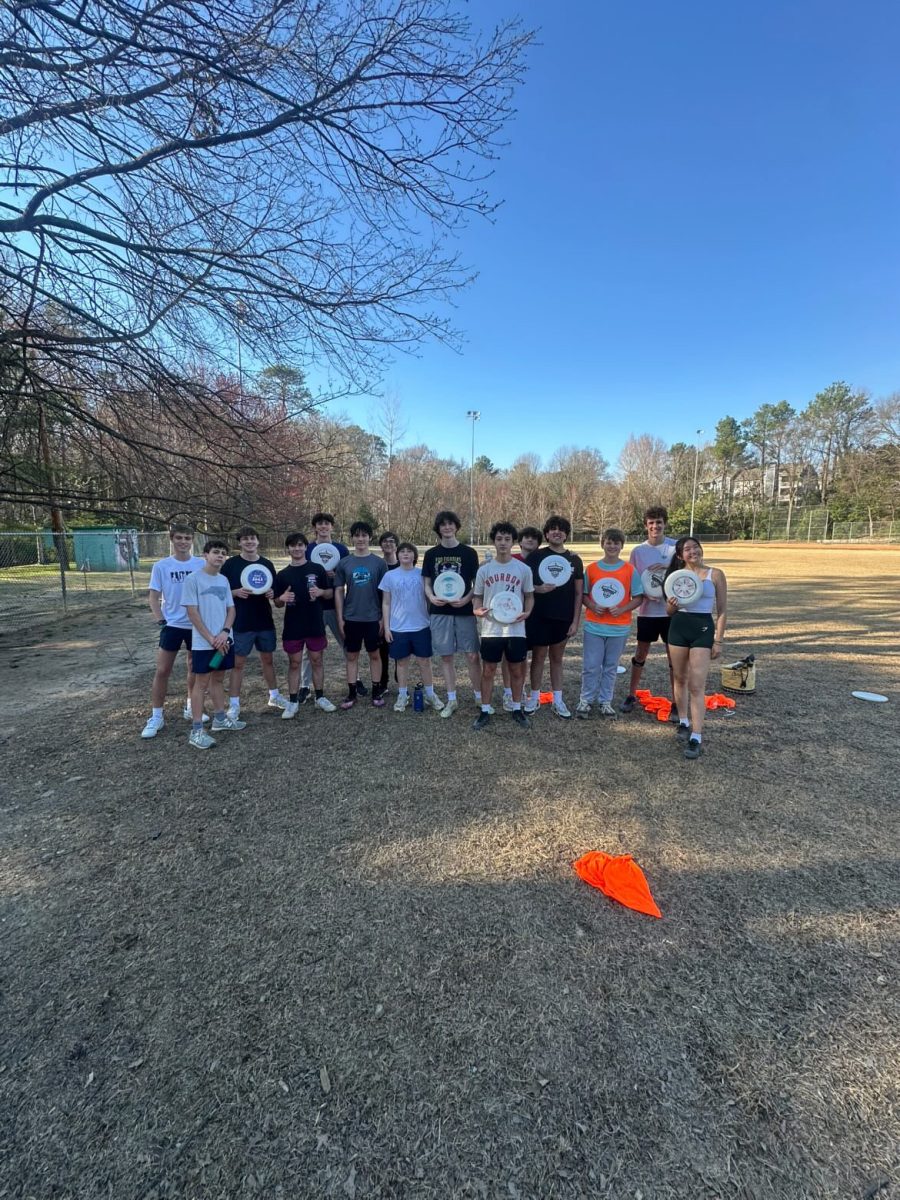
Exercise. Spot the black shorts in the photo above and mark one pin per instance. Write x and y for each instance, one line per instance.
(651, 628)
(172, 638)
(513, 649)
(357, 632)
(546, 631)
(692, 630)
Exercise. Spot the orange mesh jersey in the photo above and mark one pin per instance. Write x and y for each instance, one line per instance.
(619, 877)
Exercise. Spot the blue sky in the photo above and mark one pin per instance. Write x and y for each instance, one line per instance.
(700, 216)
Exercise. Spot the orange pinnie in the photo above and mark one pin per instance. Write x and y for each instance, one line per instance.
(619, 877)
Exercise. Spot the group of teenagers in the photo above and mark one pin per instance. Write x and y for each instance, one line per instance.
(386, 605)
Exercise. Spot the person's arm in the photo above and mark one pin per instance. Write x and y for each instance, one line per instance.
(218, 641)
(154, 597)
(478, 605)
(285, 595)
(721, 586)
(339, 601)
(576, 608)
(386, 615)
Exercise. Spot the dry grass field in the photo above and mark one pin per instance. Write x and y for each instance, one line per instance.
(347, 956)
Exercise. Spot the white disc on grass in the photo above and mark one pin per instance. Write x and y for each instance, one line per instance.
(256, 578)
(620, 670)
(607, 593)
(684, 586)
(326, 555)
(505, 607)
(875, 696)
(449, 585)
(555, 569)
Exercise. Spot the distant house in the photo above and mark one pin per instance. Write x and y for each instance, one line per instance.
(796, 481)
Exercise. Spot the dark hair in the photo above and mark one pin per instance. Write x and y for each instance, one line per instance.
(442, 518)
(318, 518)
(360, 527)
(677, 561)
(613, 534)
(294, 539)
(180, 527)
(215, 544)
(656, 512)
(530, 531)
(503, 527)
(558, 523)
(246, 531)
(388, 533)
(409, 546)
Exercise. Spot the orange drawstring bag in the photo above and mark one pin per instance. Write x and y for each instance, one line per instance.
(619, 877)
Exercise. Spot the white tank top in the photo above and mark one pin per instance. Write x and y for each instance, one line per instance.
(707, 598)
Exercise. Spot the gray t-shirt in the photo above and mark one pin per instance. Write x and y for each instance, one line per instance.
(644, 556)
(361, 575)
(211, 594)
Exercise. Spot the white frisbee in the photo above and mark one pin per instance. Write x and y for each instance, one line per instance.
(684, 586)
(653, 579)
(620, 670)
(256, 578)
(875, 696)
(505, 607)
(607, 593)
(326, 555)
(449, 585)
(555, 569)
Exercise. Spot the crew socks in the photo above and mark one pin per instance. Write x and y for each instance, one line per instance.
(351, 690)
(295, 697)
(429, 689)
(557, 697)
(451, 696)
(320, 692)
(486, 708)
(218, 716)
(273, 693)
(517, 704)
(685, 722)
(403, 693)
(696, 737)
(196, 726)
(507, 693)
(158, 712)
(234, 702)
(477, 696)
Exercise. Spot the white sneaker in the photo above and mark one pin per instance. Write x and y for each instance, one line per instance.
(488, 708)
(290, 710)
(201, 740)
(583, 711)
(434, 701)
(325, 704)
(507, 703)
(227, 722)
(450, 708)
(278, 702)
(233, 711)
(559, 708)
(189, 716)
(607, 710)
(401, 703)
(153, 726)
(532, 704)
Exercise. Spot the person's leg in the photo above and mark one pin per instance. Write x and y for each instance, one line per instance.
(294, 663)
(556, 654)
(475, 674)
(538, 658)
(403, 674)
(641, 650)
(236, 680)
(504, 671)
(198, 691)
(698, 669)
(268, 670)
(352, 659)
(679, 658)
(316, 658)
(375, 667)
(383, 652)
(217, 692)
(517, 680)
(591, 663)
(426, 672)
(612, 652)
(485, 681)
(165, 661)
(448, 670)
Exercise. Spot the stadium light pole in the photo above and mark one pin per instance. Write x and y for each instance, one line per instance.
(473, 416)
(694, 488)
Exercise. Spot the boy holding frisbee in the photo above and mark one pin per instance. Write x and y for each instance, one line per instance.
(253, 622)
(300, 589)
(529, 540)
(555, 617)
(323, 526)
(388, 543)
(406, 625)
(209, 605)
(612, 590)
(358, 609)
(166, 582)
(453, 626)
(653, 554)
(503, 640)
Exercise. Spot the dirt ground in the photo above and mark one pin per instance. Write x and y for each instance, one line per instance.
(347, 956)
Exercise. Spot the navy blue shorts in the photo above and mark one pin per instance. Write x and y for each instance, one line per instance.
(404, 644)
(172, 638)
(200, 661)
(262, 639)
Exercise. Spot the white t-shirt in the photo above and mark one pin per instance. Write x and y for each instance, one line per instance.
(212, 595)
(493, 578)
(167, 577)
(644, 556)
(409, 609)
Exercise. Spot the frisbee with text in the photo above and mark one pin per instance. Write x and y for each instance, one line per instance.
(326, 555)
(607, 593)
(555, 569)
(505, 607)
(449, 585)
(684, 586)
(256, 578)
(653, 579)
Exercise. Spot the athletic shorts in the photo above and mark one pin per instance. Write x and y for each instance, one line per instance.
(513, 649)
(693, 630)
(651, 628)
(172, 638)
(313, 644)
(262, 639)
(546, 631)
(417, 642)
(200, 661)
(357, 632)
(453, 635)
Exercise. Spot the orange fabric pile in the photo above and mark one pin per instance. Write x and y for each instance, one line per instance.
(662, 706)
(619, 877)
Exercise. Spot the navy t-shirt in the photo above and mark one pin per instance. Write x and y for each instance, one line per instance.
(254, 613)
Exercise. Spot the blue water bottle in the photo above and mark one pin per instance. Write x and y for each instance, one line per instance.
(418, 699)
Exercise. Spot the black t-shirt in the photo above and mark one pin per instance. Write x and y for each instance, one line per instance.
(463, 560)
(254, 613)
(303, 618)
(559, 604)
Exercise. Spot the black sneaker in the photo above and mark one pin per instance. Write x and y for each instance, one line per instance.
(628, 704)
(303, 695)
(673, 715)
(682, 734)
(520, 719)
(481, 721)
(693, 749)
(361, 689)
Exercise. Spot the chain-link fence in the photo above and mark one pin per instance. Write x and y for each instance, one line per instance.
(817, 524)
